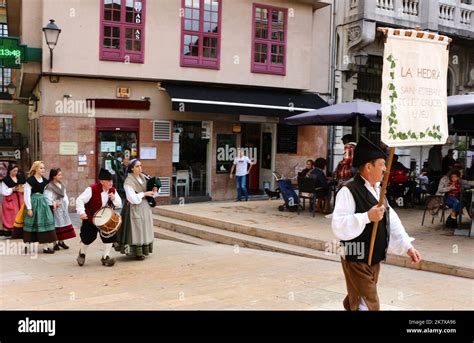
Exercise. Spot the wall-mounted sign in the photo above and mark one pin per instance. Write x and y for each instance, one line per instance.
(148, 153)
(226, 153)
(12, 53)
(68, 148)
(123, 92)
(82, 159)
(236, 128)
(107, 146)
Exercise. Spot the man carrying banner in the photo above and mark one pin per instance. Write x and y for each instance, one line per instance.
(414, 112)
(354, 213)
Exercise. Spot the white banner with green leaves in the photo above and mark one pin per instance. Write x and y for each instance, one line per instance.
(414, 97)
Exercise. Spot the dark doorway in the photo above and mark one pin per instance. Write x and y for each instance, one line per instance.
(192, 159)
(251, 141)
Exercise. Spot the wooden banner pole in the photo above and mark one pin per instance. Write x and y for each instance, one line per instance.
(381, 201)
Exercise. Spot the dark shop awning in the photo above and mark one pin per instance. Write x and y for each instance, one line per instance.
(245, 101)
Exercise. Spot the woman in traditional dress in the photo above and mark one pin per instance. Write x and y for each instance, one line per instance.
(12, 191)
(135, 237)
(56, 196)
(38, 221)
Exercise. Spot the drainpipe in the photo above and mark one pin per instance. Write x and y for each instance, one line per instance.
(332, 87)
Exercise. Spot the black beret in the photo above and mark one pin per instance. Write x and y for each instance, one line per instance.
(104, 174)
(366, 151)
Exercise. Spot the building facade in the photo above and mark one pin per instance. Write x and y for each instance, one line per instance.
(13, 113)
(177, 84)
(357, 22)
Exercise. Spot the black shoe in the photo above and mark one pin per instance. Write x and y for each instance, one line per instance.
(140, 258)
(451, 223)
(63, 245)
(48, 251)
(81, 259)
(108, 262)
(56, 247)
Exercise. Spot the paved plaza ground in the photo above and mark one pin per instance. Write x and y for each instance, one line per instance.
(218, 276)
(184, 276)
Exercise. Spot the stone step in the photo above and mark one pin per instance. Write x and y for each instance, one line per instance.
(179, 237)
(300, 242)
(282, 237)
(234, 238)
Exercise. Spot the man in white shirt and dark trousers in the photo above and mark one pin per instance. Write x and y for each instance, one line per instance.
(240, 164)
(352, 221)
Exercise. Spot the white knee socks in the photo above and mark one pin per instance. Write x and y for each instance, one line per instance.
(83, 248)
(107, 248)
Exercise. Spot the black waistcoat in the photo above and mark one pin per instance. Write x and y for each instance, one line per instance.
(37, 187)
(364, 202)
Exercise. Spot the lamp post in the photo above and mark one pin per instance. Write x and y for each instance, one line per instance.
(51, 34)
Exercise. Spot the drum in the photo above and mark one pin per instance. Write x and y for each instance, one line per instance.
(107, 221)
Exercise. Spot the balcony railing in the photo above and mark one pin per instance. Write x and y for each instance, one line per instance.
(410, 7)
(455, 16)
(387, 5)
(11, 140)
(466, 14)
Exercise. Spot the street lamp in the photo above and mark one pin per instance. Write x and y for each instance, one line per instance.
(51, 34)
(360, 60)
(11, 88)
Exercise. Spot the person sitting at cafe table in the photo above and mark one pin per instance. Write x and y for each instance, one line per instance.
(451, 187)
(322, 192)
(306, 172)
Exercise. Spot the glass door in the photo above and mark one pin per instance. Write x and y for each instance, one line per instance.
(114, 147)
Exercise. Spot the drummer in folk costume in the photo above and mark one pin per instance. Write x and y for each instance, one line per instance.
(135, 237)
(57, 199)
(94, 198)
(12, 191)
(38, 221)
(355, 210)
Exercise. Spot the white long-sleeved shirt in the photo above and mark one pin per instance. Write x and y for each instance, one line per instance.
(132, 197)
(347, 225)
(49, 195)
(6, 191)
(86, 196)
